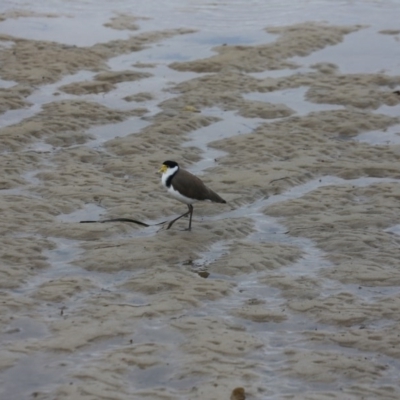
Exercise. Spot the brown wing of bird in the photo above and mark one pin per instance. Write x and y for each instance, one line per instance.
(193, 187)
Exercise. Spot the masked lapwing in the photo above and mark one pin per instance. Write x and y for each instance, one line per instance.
(186, 188)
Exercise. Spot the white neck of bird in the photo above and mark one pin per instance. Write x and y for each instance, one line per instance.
(167, 174)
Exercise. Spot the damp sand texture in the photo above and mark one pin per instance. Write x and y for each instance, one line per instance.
(291, 290)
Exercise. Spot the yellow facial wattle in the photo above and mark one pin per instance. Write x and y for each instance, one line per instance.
(163, 169)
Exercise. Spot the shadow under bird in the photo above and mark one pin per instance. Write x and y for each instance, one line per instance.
(186, 188)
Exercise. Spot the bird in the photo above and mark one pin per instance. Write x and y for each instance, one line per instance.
(185, 187)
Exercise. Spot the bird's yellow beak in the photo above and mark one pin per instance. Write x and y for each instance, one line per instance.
(163, 169)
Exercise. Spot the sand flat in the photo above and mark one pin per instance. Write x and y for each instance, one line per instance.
(290, 290)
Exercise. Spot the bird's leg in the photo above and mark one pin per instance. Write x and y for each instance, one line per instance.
(176, 219)
(190, 218)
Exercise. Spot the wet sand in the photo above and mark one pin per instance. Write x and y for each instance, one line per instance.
(290, 290)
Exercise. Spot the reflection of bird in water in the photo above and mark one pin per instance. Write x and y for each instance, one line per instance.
(238, 394)
(186, 188)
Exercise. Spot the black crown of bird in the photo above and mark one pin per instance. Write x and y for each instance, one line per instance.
(185, 187)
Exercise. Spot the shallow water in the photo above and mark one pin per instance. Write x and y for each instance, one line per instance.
(292, 98)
